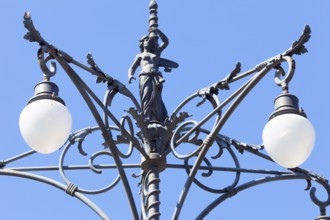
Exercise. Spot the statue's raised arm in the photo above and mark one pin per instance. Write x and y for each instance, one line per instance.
(164, 39)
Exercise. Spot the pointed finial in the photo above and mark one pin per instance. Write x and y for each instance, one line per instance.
(153, 4)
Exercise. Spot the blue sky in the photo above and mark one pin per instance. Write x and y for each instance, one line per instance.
(207, 38)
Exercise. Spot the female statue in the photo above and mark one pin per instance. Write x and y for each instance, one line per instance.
(151, 79)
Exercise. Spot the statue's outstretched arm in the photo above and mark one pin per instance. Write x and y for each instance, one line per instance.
(133, 68)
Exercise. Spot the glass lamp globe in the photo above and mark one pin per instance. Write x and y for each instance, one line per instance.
(289, 139)
(288, 136)
(45, 123)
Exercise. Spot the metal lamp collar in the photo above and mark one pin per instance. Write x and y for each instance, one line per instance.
(287, 103)
(46, 90)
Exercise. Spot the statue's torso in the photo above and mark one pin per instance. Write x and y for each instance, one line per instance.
(149, 62)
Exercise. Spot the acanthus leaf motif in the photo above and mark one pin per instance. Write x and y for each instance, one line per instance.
(298, 45)
(33, 35)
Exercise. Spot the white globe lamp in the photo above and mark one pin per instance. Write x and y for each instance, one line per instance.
(45, 123)
(289, 136)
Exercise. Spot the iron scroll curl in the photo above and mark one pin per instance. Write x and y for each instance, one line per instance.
(76, 137)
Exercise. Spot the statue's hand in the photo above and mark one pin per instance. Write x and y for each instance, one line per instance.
(130, 79)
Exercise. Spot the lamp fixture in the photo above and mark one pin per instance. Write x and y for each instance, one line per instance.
(289, 136)
(46, 124)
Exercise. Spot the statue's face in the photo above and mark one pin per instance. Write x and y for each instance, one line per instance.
(147, 43)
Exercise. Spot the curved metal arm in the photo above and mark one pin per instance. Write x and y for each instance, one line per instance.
(211, 138)
(58, 185)
(209, 93)
(63, 59)
(261, 70)
(107, 136)
(113, 84)
(293, 176)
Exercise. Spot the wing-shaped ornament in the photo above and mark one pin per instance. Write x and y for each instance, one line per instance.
(167, 64)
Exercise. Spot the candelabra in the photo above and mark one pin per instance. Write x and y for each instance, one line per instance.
(152, 133)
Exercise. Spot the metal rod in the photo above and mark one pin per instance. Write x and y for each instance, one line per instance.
(212, 113)
(18, 157)
(73, 167)
(247, 88)
(58, 185)
(107, 137)
(248, 185)
(229, 169)
(88, 69)
(170, 166)
(242, 75)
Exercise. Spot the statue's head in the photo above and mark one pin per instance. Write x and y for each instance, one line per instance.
(148, 43)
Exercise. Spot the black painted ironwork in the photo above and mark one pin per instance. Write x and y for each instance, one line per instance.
(159, 133)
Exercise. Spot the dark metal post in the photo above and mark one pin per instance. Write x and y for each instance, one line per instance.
(153, 200)
(150, 188)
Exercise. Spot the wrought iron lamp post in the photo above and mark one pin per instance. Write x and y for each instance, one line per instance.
(45, 125)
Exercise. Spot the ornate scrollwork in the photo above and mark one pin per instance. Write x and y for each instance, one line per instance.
(160, 137)
(92, 158)
(321, 204)
(194, 140)
(312, 193)
(48, 71)
(79, 137)
(223, 143)
(189, 131)
(296, 175)
(287, 76)
(33, 35)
